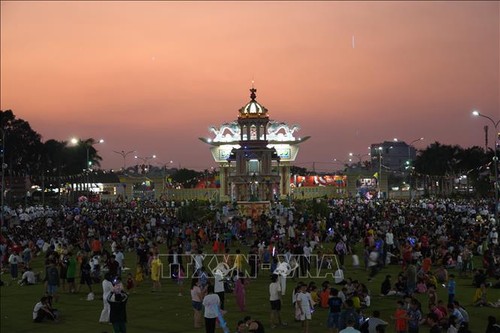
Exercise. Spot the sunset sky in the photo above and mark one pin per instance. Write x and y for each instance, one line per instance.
(153, 76)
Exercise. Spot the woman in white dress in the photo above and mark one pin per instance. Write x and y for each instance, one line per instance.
(107, 287)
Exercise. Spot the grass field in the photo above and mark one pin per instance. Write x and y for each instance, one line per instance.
(167, 312)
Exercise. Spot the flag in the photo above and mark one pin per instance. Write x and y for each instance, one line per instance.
(375, 175)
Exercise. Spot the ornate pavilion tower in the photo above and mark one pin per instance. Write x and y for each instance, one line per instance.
(254, 179)
(254, 154)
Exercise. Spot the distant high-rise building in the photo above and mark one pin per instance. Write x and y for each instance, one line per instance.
(393, 155)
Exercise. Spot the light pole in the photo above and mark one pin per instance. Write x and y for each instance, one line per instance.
(124, 155)
(3, 172)
(344, 163)
(495, 158)
(88, 144)
(165, 173)
(379, 150)
(359, 157)
(410, 168)
(145, 160)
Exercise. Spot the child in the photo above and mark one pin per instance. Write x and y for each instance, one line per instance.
(324, 295)
(313, 290)
(421, 286)
(305, 305)
(295, 304)
(401, 318)
(130, 282)
(139, 277)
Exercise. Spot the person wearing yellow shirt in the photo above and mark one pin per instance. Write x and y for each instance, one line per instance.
(155, 272)
(356, 301)
(238, 261)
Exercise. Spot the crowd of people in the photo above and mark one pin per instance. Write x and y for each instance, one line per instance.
(433, 242)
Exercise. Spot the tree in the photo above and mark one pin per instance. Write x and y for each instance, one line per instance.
(76, 156)
(445, 164)
(439, 164)
(295, 170)
(22, 145)
(473, 163)
(188, 178)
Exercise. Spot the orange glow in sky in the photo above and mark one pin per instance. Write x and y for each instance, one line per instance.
(153, 76)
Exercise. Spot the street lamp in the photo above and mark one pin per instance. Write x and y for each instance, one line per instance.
(495, 157)
(358, 156)
(379, 150)
(410, 163)
(164, 173)
(3, 172)
(145, 160)
(344, 163)
(124, 155)
(88, 144)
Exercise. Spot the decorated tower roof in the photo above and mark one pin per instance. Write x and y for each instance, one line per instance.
(253, 109)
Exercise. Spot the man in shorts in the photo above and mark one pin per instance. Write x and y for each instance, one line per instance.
(305, 305)
(275, 300)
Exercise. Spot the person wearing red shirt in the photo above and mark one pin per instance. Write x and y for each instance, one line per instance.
(96, 246)
(401, 318)
(426, 264)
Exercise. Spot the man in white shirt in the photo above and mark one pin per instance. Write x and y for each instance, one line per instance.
(120, 258)
(389, 240)
(219, 287)
(304, 303)
(275, 300)
(307, 257)
(494, 236)
(198, 262)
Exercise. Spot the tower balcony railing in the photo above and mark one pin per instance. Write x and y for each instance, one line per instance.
(257, 176)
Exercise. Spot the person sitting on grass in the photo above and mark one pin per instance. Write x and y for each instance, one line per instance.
(28, 278)
(43, 310)
(480, 296)
(253, 326)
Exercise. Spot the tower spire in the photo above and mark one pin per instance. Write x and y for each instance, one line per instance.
(252, 93)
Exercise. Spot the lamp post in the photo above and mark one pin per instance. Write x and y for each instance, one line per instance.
(344, 163)
(88, 144)
(3, 172)
(410, 169)
(379, 151)
(89, 163)
(495, 158)
(359, 157)
(124, 155)
(145, 160)
(164, 172)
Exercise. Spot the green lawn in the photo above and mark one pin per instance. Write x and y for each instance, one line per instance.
(168, 312)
